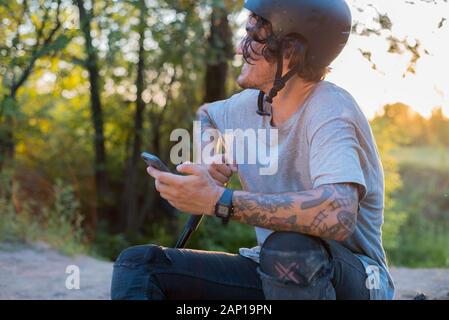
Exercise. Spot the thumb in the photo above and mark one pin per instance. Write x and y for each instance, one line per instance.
(234, 166)
(189, 168)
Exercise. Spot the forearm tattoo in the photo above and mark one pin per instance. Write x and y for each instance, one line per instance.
(329, 211)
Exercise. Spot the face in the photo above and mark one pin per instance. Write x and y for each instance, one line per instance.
(258, 75)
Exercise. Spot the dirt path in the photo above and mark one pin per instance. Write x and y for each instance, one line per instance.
(38, 272)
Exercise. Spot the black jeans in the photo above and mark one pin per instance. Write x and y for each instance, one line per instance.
(292, 266)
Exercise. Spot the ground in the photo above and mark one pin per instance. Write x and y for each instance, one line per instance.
(38, 272)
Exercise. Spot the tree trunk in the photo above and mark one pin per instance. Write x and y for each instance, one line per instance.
(130, 199)
(220, 50)
(91, 65)
(7, 150)
(7, 145)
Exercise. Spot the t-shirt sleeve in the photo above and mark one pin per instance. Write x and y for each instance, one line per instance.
(219, 118)
(217, 112)
(335, 153)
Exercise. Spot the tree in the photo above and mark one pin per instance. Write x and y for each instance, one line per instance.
(33, 30)
(439, 127)
(130, 205)
(219, 52)
(91, 65)
(381, 26)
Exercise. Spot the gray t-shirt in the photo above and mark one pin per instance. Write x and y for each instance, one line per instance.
(328, 140)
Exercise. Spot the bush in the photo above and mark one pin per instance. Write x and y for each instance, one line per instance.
(14, 227)
(62, 221)
(108, 246)
(394, 215)
(212, 235)
(423, 240)
(59, 225)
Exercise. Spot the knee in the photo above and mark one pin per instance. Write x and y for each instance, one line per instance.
(132, 273)
(141, 255)
(293, 257)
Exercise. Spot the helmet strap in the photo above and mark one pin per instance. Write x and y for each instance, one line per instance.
(279, 84)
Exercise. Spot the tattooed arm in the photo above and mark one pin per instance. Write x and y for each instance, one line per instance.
(220, 172)
(203, 116)
(329, 211)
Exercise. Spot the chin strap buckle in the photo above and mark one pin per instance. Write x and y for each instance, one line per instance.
(260, 103)
(263, 113)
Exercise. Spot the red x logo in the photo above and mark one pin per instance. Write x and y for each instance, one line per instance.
(287, 272)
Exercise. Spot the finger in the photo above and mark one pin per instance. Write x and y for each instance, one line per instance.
(176, 205)
(165, 177)
(218, 183)
(173, 204)
(223, 168)
(165, 189)
(168, 197)
(218, 176)
(190, 168)
(153, 172)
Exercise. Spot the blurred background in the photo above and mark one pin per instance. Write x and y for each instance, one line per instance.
(88, 85)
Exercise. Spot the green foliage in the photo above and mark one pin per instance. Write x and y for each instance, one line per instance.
(423, 241)
(416, 228)
(62, 221)
(14, 227)
(59, 43)
(411, 129)
(108, 246)
(8, 107)
(212, 235)
(394, 216)
(59, 225)
(436, 157)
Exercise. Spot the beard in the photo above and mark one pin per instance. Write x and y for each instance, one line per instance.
(259, 77)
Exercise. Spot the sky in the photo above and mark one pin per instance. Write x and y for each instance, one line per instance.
(423, 91)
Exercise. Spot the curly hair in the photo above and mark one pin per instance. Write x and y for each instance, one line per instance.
(294, 47)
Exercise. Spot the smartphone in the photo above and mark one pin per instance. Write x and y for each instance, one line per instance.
(154, 161)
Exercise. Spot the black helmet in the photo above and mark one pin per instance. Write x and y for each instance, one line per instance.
(324, 24)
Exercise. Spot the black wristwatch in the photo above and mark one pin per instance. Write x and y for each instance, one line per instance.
(224, 208)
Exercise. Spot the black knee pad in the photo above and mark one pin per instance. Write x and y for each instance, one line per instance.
(295, 266)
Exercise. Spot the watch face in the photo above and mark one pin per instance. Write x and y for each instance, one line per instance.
(222, 210)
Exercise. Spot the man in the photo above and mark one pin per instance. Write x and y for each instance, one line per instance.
(318, 218)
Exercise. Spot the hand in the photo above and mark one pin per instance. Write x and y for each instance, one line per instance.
(220, 171)
(196, 192)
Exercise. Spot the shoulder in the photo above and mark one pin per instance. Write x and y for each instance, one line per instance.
(330, 103)
(330, 100)
(229, 112)
(241, 99)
